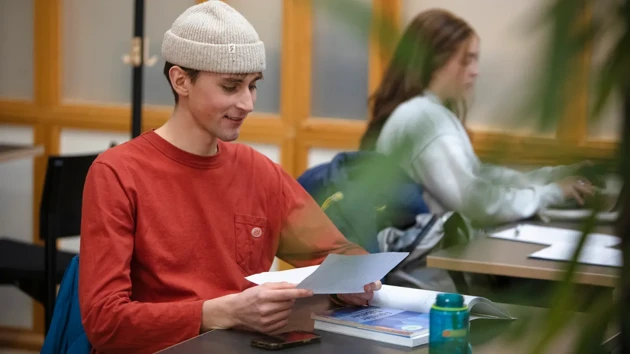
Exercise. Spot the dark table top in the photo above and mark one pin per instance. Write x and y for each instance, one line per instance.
(486, 336)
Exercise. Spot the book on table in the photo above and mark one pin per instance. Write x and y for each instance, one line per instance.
(395, 315)
(398, 316)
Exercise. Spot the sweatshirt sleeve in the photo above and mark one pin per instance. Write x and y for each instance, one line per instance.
(541, 176)
(450, 176)
(307, 235)
(113, 322)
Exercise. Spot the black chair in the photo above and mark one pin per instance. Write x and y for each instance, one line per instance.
(37, 270)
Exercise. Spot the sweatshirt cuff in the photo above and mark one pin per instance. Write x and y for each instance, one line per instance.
(194, 312)
(551, 194)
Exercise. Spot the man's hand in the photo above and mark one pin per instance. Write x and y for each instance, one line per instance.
(265, 308)
(362, 298)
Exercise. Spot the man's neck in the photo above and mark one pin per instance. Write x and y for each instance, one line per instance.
(183, 132)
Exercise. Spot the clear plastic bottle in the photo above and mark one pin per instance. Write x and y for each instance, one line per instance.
(449, 325)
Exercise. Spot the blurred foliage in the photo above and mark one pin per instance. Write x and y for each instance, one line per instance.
(573, 28)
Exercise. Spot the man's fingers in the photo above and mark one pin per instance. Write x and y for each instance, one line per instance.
(357, 299)
(286, 294)
(271, 319)
(373, 286)
(272, 307)
(279, 285)
(276, 326)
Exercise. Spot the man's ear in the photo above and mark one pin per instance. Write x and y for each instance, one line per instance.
(179, 80)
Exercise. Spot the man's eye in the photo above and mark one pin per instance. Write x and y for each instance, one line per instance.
(253, 87)
(229, 88)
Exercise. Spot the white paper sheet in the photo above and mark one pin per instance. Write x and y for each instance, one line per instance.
(544, 235)
(593, 255)
(338, 274)
(294, 276)
(578, 214)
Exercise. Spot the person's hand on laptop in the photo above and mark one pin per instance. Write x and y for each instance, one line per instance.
(361, 299)
(576, 188)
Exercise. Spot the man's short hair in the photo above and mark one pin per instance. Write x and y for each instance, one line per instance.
(192, 74)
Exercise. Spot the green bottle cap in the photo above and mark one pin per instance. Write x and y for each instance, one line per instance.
(449, 300)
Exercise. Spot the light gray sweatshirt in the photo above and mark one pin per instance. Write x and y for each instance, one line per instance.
(435, 151)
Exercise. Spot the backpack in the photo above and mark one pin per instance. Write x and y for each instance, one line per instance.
(66, 333)
(364, 192)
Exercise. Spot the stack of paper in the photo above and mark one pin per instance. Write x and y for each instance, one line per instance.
(589, 255)
(544, 235)
(563, 243)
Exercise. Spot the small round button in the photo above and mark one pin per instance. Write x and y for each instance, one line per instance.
(256, 232)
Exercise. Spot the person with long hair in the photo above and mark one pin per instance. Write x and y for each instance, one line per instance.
(417, 117)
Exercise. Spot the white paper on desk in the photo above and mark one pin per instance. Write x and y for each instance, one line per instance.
(338, 274)
(544, 235)
(609, 257)
(579, 214)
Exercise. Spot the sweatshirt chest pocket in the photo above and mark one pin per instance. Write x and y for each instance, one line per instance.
(251, 237)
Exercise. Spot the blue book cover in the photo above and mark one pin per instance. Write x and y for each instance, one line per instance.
(386, 320)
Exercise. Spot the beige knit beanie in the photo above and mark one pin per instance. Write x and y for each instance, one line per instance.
(212, 36)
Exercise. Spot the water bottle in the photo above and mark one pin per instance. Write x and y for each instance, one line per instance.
(448, 325)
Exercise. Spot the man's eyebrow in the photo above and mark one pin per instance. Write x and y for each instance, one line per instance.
(238, 78)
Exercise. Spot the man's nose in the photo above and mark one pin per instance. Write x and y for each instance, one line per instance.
(246, 102)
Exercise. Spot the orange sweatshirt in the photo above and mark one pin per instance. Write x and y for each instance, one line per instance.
(163, 230)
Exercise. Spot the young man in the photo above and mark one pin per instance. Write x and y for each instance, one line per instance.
(174, 220)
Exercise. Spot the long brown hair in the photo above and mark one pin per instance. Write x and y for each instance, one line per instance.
(429, 41)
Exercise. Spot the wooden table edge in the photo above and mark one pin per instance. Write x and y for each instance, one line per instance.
(511, 270)
(26, 151)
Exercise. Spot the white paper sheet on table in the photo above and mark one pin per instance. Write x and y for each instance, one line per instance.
(544, 235)
(338, 274)
(578, 214)
(594, 255)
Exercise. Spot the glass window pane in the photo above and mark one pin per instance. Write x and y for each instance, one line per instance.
(340, 61)
(97, 34)
(16, 46)
(318, 156)
(608, 125)
(266, 17)
(159, 17)
(510, 56)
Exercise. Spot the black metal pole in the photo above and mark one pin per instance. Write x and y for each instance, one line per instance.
(50, 257)
(624, 225)
(138, 65)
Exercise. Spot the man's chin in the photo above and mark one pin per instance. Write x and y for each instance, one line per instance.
(230, 136)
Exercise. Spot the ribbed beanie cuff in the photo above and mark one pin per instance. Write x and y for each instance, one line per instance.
(214, 37)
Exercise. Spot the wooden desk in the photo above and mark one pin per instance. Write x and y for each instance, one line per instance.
(486, 336)
(11, 152)
(509, 258)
